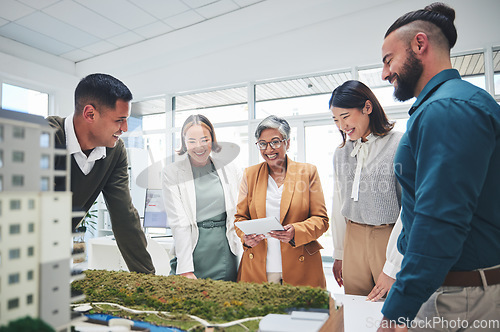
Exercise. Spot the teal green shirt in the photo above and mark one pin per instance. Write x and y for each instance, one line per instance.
(448, 165)
(210, 204)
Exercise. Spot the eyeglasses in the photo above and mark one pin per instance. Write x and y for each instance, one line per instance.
(275, 144)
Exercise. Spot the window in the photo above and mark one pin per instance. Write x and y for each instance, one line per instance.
(1, 133)
(44, 140)
(235, 135)
(471, 68)
(25, 100)
(13, 303)
(30, 275)
(31, 204)
(15, 204)
(14, 229)
(219, 106)
(496, 70)
(45, 161)
(31, 251)
(1, 183)
(18, 156)
(44, 184)
(18, 132)
(154, 122)
(286, 108)
(14, 278)
(14, 253)
(300, 96)
(383, 90)
(29, 299)
(1, 158)
(17, 180)
(31, 227)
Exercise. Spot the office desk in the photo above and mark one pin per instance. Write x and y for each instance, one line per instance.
(103, 254)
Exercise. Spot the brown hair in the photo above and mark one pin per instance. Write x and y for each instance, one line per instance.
(200, 120)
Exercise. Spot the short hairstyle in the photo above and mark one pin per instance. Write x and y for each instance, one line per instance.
(100, 90)
(198, 120)
(273, 122)
(438, 14)
(354, 94)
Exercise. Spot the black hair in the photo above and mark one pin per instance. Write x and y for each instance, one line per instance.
(100, 90)
(437, 13)
(354, 94)
(200, 120)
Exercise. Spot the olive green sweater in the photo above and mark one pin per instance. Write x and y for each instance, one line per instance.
(109, 176)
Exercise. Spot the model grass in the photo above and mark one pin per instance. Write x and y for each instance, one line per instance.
(214, 301)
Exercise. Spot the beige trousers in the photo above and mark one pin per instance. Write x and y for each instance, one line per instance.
(459, 309)
(364, 256)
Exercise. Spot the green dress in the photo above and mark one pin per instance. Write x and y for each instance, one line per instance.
(212, 256)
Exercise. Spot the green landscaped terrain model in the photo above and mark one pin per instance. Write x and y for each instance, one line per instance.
(180, 298)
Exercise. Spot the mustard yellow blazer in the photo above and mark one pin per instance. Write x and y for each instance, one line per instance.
(303, 205)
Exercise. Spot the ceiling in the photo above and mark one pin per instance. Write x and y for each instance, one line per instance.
(77, 30)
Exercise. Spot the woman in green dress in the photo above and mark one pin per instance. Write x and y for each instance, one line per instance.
(200, 193)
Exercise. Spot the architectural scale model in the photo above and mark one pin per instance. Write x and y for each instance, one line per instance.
(35, 231)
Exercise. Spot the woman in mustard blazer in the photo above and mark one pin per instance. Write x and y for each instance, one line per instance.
(291, 192)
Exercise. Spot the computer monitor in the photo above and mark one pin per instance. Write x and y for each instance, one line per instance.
(155, 215)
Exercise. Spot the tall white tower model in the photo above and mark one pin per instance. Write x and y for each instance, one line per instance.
(35, 223)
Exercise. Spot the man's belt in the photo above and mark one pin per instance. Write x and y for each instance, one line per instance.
(472, 278)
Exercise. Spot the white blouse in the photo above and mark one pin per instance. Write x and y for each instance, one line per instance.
(273, 202)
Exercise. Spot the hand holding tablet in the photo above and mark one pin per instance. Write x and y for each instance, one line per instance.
(259, 226)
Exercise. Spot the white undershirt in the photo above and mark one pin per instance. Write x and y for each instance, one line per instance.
(85, 163)
(273, 202)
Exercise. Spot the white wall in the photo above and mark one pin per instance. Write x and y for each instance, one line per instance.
(272, 39)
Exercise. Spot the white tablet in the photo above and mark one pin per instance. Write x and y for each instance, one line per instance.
(259, 226)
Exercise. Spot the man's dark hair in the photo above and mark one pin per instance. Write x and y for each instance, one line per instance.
(100, 90)
(437, 13)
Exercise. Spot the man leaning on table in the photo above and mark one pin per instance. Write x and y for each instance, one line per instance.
(450, 178)
(99, 161)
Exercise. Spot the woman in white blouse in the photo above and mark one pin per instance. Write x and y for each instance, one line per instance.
(367, 196)
(200, 194)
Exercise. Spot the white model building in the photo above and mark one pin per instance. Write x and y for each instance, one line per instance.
(35, 223)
